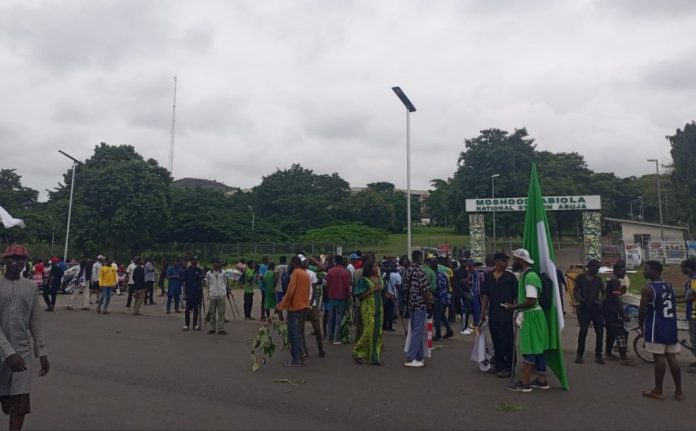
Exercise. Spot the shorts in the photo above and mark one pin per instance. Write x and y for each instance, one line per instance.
(661, 349)
(539, 362)
(16, 404)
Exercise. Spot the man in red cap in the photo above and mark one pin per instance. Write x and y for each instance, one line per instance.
(20, 321)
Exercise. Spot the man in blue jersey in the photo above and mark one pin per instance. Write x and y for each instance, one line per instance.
(658, 321)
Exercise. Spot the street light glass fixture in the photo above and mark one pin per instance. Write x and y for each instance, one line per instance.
(409, 108)
(72, 189)
(493, 177)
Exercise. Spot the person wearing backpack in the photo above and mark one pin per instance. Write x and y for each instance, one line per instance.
(589, 293)
(534, 331)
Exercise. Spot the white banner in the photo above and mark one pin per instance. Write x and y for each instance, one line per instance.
(552, 203)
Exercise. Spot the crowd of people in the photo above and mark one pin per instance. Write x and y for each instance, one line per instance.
(353, 301)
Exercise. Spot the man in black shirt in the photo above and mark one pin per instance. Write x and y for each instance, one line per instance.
(193, 283)
(589, 294)
(500, 287)
(615, 317)
(139, 286)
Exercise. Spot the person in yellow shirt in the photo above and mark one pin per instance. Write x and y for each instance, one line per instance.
(107, 282)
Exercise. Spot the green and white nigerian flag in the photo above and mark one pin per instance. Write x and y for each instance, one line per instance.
(537, 241)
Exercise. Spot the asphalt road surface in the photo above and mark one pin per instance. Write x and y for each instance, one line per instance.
(120, 371)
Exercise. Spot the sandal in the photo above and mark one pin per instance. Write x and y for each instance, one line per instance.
(357, 360)
(653, 395)
(679, 397)
(380, 363)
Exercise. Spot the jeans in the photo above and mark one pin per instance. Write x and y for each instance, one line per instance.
(389, 308)
(131, 291)
(216, 309)
(416, 325)
(597, 319)
(176, 299)
(49, 295)
(502, 333)
(193, 303)
(539, 362)
(105, 298)
(248, 304)
(312, 316)
(150, 292)
(294, 336)
(476, 309)
(439, 317)
(336, 310)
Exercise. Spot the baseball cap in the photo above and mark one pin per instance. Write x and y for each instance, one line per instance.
(302, 257)
(354, 256)
(101, 257)
(16, 250)
(523, 254)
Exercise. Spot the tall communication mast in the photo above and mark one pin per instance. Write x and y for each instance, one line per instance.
(171, 138)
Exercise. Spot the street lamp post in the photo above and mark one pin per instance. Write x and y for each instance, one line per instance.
(640, 214)
(493, 177)
(659, 203)
(409, 108)
(72, 188)
(253, 217)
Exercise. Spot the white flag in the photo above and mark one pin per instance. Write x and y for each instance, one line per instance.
(8, 221)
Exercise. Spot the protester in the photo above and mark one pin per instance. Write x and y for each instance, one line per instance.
(139, 286)
(249, 282)
(269, 285)
(55, 278)
(500, 287)
(338, 290)
(462, 277)
(150, 276)
(419, 300)
(441, 300)
(216, 279)
(688, 268)
(130, 282)
(96, 269)
(281, 269)
(260, 273)
(658, 320)
(533, 332)
(312, 313)
(81, 285)
(589, 293)
(369, 290)
(392, 282)
(614, 316)
(20, 323)
(175, 276)
(39, 272)
(164, 266)
(108, 280)
(193, 286)
(296, 300)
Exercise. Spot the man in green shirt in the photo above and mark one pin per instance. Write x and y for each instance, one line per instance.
(429, 273)
(533, 332)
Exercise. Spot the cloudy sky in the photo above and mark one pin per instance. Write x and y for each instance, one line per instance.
(263, 84)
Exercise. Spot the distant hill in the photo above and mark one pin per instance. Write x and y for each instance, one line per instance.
(192, 183)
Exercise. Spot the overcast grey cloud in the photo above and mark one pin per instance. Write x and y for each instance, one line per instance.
(266, 84)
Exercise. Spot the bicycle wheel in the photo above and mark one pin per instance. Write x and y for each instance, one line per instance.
(640, 350)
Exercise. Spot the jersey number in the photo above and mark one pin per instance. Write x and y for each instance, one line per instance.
(668, 309)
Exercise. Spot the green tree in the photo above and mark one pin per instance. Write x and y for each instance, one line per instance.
(297, 199)
(121, 201)
(372, 209)
(683, 175)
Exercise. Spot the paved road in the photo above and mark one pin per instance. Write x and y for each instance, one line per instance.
(126, 372)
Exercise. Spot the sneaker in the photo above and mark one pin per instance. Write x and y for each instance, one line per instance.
(467, 331)
(536, 384)
(414, 364)
(293, 364)
(503, 374)
(68, 307)
(196, 328)
(449, 334)
(519, 387)
(222, 332)
(578, 360)
(409, 364)
(211, 331)
(185, 328)
(337, 343)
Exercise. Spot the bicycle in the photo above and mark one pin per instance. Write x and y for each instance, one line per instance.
(639, 343)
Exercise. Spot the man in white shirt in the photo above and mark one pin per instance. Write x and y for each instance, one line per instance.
(131, 283)
(95, 275)
(216, 279)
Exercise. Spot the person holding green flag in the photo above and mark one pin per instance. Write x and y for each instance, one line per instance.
(540, 258)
